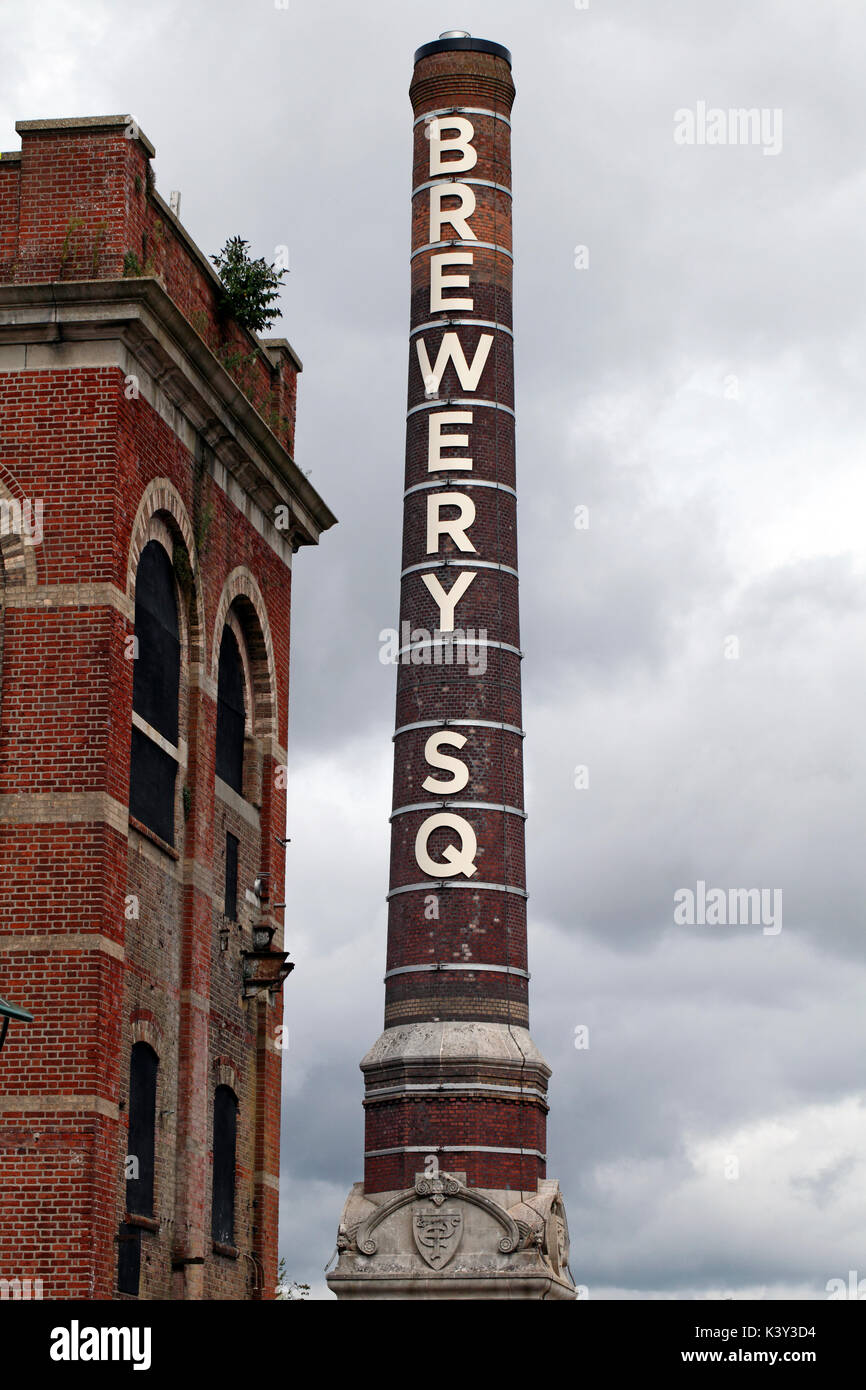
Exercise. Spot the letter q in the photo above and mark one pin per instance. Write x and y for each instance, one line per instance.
(456, 861)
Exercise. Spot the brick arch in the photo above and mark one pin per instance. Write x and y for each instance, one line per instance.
(162, 503)
(226, 1074)
(146, 1029)
(243, 596)
(17, 560)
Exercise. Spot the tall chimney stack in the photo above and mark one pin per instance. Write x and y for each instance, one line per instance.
(455, 1201)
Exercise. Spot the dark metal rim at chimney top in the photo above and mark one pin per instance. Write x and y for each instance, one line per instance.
(463, 45)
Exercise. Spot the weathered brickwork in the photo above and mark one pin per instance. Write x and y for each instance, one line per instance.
(457, 947)
(133, 411)
(455, 1201)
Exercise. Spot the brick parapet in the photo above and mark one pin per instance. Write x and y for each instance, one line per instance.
(79, 203)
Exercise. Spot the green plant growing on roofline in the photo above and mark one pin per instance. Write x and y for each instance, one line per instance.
(96, 252)
(199, 320)
(289, 1291)
(240, 366)
(249, 287)
(72, 226)
(204, 521)
(132, 266)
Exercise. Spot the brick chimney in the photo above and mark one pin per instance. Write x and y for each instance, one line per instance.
(455, 1200)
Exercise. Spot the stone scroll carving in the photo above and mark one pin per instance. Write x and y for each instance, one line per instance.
(438, 1230)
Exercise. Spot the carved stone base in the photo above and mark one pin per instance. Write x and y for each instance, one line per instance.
(442, 1239)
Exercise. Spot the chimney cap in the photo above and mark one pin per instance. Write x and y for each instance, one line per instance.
(458, 40)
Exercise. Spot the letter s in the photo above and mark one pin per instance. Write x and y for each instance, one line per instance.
(458, 769)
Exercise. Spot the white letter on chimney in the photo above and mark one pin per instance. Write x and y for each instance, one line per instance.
(451, 347)
(468, 156)
(458, 769)
(439, 282)
(447, 603)
(455, 527)
(457, 217)
(439, 441)
(456, 861)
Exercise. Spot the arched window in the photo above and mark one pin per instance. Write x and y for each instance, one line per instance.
(230, 713)
(225, 1129)
(141, 1144)
(155, 689)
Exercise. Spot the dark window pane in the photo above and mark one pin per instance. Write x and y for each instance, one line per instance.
(142, 1128)
(155, 689)
(225, 1124)
(128, 1259)
(231, 906)
(152, 774)
(230, 713)
(156, 676)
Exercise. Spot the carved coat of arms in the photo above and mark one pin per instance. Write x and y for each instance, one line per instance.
(437, 1235)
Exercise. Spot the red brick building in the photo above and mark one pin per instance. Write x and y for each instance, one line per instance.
(150, 507)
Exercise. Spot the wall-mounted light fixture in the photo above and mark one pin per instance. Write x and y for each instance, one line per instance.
(7, 1012)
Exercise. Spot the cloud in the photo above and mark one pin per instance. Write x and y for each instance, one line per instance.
(699, 388)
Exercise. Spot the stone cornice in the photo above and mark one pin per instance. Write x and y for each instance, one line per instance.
(84, 123)
(139, 313)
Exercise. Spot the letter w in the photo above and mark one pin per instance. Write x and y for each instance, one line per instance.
(453, 348)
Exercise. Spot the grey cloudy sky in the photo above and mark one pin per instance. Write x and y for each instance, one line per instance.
(699, 387)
